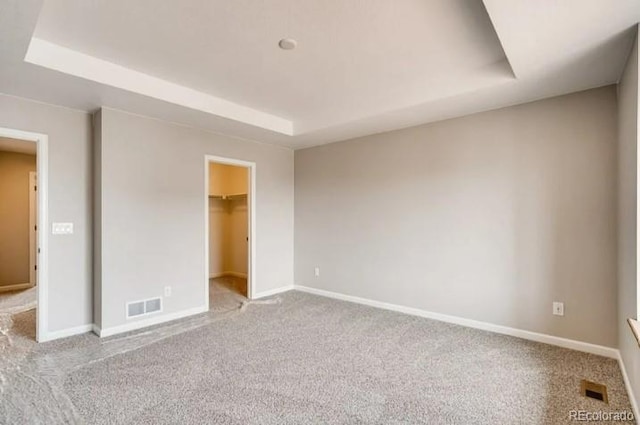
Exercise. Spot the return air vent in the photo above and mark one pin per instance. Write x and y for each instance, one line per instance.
(594, 390)
(151, 306)
(144, 307)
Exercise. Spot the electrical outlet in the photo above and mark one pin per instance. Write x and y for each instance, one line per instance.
(167, 291)
(558, 308)
(317, 271)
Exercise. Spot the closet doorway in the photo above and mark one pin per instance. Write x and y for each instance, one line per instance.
(230, 229)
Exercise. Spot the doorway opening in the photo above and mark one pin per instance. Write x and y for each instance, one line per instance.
(230, 230)
(23, 278)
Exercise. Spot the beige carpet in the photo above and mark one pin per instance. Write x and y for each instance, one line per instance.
(305, 359)
(226, 293)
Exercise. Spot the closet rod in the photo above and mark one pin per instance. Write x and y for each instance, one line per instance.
(229, 197)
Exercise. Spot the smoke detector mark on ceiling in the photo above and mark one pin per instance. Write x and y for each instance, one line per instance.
(288, 44)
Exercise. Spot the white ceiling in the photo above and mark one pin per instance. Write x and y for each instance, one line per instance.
(17, 146)
(360, 66)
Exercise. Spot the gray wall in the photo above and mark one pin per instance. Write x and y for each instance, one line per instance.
(490, 217)
(153, 212)
(69, 132)
(627, 216)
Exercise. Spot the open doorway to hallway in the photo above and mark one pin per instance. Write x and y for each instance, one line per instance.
(229, 231)
(18, 234)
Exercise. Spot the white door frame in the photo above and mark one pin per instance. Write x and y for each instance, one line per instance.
(33, 228)
(41, 141)
(251, 205)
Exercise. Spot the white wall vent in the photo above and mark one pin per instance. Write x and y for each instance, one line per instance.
(144, 307)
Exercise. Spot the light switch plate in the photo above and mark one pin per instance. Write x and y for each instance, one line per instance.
(62, 228)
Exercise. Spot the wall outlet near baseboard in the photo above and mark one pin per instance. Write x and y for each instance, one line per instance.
(558, 308)
(317, 271)
(167, 291)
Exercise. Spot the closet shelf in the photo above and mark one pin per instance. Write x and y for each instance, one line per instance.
(229, 197)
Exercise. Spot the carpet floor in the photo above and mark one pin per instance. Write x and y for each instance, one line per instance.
(296, 359)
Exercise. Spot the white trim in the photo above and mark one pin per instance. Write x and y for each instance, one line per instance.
(251, 205)
(149, 322)
(33, 230)
(275, 291)
(636, 46)
(16, 287)
(504, 330)
(72, 62)
(64, 333)
(627, 384)
(42, 160)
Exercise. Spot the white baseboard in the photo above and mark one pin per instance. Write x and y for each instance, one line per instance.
(627, 384)
(485, 326)
(234, 274)
(275, 291)
(16, 287)
(156, 320)
(64, 333)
